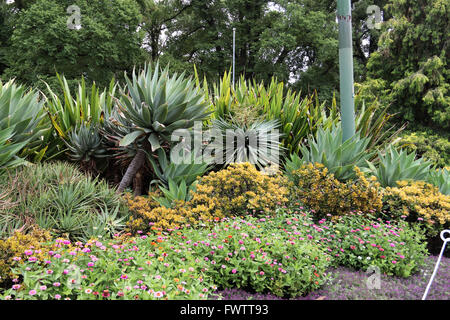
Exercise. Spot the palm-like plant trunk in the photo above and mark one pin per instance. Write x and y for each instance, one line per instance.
(134, 166)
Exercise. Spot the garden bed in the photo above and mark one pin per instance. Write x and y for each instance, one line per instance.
(349, 284)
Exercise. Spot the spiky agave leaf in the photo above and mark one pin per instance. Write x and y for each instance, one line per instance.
(85, 143)
(328, 148)
(397, 165)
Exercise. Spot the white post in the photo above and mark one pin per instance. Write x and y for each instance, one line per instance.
(438, 262)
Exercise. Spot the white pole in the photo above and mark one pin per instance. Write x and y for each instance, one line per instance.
(438, 262)
(234, 52)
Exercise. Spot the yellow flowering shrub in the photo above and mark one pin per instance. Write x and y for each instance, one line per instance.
(418, 202)
(16, 245)
(320, 191)
(236, 190)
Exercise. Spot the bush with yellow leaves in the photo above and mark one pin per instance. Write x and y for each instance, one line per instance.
(321, 192)
(418, 202)
(14, 249)
(237, 190)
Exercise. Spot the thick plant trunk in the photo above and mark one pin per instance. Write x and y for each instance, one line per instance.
(137, 183)
(134, 166)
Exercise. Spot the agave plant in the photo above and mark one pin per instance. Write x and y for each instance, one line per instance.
(441, 179)
(85, 145)
(22, 112)
(396, 165)
(9, 151)
(175, 192)
(339, 157)
(178, 173)
(153, 107)
(292, 164)
(257, 143)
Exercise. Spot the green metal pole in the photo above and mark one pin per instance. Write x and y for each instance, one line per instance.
(344, 15)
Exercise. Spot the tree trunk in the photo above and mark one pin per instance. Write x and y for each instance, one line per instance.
(137, 183)
(134, 166)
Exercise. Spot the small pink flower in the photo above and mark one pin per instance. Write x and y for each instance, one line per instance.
(233, 271)
(124, 277)
(32, 292)
(394, 262)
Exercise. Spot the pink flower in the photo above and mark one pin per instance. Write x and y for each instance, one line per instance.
(32, 292)
(123, 277)
(394, 262)
(57, 296)
(233, 271)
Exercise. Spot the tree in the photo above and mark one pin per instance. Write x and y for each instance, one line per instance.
(410, 68)
(106, 44)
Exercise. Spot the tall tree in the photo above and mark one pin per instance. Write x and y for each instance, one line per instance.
(411, 69)
(104, 45)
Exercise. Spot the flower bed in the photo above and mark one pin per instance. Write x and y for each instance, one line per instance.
(286, 255)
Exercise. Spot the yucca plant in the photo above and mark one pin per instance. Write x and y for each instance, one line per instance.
(257, 143)
(22, 111)
(298, 117)
(396, 165)
(372, 122)
(86, 106)
(339, 157)
(155, 104)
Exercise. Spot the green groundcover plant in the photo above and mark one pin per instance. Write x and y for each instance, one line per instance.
(286, 254)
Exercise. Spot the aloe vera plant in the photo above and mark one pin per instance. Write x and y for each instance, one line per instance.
(396, 165)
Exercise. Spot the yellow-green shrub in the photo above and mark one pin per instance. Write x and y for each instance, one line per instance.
(236, 190)
(321, 192)
(418, 202)
(148, 213)
(17, 244)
